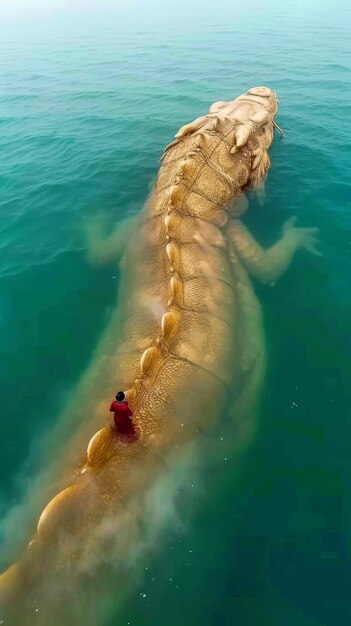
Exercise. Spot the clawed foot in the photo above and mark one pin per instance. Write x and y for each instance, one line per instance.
(302, 237)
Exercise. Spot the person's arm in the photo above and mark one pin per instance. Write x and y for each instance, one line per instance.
(129, 412)
(112, 407)
(269, 265)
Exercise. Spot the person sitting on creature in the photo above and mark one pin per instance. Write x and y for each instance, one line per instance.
(122, 417)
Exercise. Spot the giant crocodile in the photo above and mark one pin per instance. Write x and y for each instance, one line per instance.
(185, 343)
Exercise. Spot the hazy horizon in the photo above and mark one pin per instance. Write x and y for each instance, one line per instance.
(15, 11)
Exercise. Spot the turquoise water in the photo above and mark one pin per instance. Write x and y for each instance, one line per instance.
(87, 103)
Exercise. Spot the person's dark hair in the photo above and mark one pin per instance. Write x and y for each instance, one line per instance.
(120, 396)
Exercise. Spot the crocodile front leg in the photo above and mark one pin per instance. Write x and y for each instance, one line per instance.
(102, 250)
(269, 265)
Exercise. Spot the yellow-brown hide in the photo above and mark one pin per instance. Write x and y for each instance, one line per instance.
(174, 343)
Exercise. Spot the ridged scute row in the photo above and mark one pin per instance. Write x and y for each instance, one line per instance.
(200, 123)
(175, 182)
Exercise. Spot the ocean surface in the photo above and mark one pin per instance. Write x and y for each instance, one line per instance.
(88, 100)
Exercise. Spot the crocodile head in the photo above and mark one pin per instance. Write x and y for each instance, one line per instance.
(254, 112)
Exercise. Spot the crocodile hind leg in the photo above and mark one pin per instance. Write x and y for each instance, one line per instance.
(241, 416)
(250, 360)
(243, 411)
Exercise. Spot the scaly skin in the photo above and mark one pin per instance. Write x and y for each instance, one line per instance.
(186, 342)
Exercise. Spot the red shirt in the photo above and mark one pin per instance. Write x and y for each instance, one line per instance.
(123, 423)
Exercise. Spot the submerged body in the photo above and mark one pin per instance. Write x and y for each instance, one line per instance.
(185, 343)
